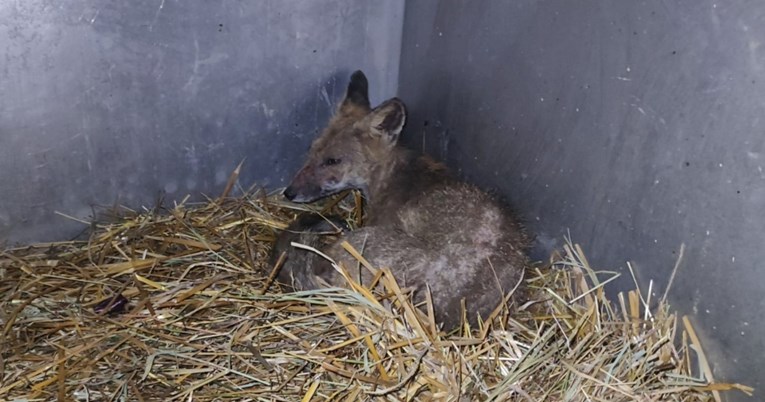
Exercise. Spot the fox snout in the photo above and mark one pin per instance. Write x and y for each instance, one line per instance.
(292, 194)
(312, 183)
(303, 188)
(296, 194)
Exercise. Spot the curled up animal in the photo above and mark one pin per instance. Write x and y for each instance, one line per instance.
(431, 229)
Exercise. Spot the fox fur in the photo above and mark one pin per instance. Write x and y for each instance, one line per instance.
(432, 230)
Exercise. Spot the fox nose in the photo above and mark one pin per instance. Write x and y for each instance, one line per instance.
(289, 193)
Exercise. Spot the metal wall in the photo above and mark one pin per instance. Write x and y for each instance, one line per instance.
(118, 101)
(638, 126)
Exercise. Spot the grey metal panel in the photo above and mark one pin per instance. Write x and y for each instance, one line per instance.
(636, 125)
(117, 101)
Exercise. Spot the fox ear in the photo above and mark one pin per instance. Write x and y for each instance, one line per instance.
(387, 120)
(357, 93)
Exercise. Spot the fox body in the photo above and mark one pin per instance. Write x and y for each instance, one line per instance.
(429, 228)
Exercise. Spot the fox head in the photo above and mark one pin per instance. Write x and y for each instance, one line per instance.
(353, 148)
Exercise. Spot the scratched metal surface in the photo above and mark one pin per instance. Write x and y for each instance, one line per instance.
(635, 125)
(105, 102)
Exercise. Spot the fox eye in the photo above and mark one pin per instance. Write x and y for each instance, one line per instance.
(331, 161)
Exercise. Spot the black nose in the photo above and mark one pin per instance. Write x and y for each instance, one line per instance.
(289, 193)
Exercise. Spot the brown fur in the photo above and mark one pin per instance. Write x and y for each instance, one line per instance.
(429, 228)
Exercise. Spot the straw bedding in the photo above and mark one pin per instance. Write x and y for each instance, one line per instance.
(181, 304)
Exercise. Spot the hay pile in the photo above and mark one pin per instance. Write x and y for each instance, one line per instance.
(181, 305)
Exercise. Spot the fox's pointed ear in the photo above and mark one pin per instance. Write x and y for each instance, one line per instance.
(387, 120)
(358, 91)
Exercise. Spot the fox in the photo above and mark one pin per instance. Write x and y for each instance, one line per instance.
(435, 233)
